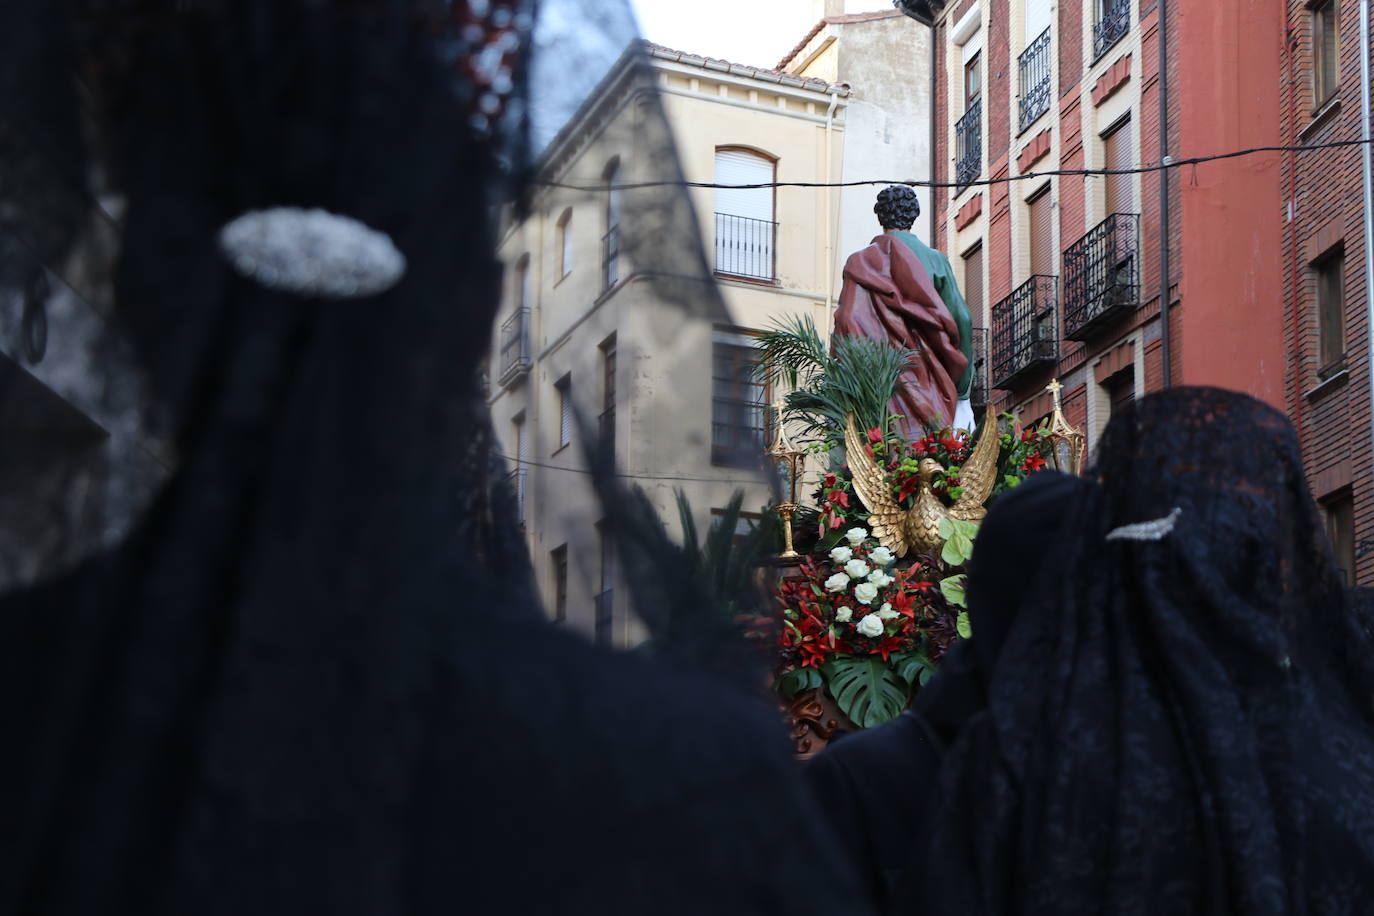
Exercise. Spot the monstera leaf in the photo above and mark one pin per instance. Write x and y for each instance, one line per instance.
(866, 689)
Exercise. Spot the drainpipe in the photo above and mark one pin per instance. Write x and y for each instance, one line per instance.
(1365, 154)
(1165, 337)
(831, 232)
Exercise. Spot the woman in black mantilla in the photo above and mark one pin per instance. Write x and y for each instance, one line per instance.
(1182, 717)
(313, 678)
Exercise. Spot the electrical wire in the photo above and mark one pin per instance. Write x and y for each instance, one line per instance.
(977, 182)
(526, 463)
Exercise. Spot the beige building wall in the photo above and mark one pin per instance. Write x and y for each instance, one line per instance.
(663, 353)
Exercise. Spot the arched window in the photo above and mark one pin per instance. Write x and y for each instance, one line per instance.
(610, 242)
(565, 243)
(745, 229)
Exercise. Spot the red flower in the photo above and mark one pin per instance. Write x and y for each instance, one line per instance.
(1032, 464)
(830, 480)
(875, 435)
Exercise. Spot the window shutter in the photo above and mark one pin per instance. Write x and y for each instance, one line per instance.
(973, 284)
(565, 231)
(1041, 236)
(1118, 151)
(736, 167)
(565, 422)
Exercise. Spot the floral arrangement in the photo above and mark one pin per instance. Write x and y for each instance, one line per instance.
(855, 621)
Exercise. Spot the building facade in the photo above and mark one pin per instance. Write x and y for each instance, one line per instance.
(1326, 329)
(590, 328)
(1066, 267)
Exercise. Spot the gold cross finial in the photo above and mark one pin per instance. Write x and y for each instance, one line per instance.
(1054, 387)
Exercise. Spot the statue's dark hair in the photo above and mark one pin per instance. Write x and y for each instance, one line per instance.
(897, 207)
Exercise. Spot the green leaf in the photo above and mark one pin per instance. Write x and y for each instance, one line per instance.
(866, 689)
(953, 590)
(912, 665)
(963, 626)
(797, 680)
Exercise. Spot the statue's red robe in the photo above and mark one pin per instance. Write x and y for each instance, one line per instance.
(888, 294)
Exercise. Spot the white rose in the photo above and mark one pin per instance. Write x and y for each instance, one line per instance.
(887, 613)
(843, 615)
(837, 583)
(841, 555)
(870, 626)
(856, 569)
(879, 578)
(856, 536)
(865, 592)
(882, 556)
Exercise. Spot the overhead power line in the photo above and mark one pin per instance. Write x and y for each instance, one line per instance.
(977, 182)
(526, 463)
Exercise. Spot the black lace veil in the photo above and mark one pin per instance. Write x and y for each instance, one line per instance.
(1180, 719)
(270, 638)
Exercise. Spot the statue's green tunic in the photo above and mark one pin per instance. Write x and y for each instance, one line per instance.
(942, 275)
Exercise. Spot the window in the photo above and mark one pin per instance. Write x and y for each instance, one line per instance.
(1111, 22)
(558, 559)
(745, 523)
(565, 410)
(565, 243)
(1040, 217)
(1339, 511)
(607, 419)
(973, 80)
(1326, 51)
(1118, 153)
(745, 228)
(522, 458)
(739, 402)
(610, 242)
(604, 622)
(973, 282)
(1329, 276)
(1120, 388)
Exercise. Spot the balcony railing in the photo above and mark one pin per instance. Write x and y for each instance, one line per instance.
(746, 247)
(1113, 22)
(968, 144)
(978, 394)
(516, 480)
(607, 429)
(1024, 336)
(1102, 276)
(515, 347)
(610, 258)
(604, 621)
(1034, 64)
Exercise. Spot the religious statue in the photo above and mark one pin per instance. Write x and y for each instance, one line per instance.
(902, 290)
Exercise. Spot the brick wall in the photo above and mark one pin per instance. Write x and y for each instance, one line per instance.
(1324, 193)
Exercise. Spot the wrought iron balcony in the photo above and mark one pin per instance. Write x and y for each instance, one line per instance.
(610, 258)
(1112, 24)
(516, 480)
(607, 429)
(605, 616)
(1102, 276)
(515, 348)
(1024, 336)
(1034, 65)
(978, 394)
(746, 247)
(968, 144)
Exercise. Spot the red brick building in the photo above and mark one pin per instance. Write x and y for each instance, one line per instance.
(1326, 334)
(1264, 253)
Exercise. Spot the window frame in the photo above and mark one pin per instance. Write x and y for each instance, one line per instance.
(558, 560)
(564, 388)
(731, 454)
(973, 79)
(1328, 308)
(1324, 14)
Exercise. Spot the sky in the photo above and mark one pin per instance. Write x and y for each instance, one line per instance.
(756, 32)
